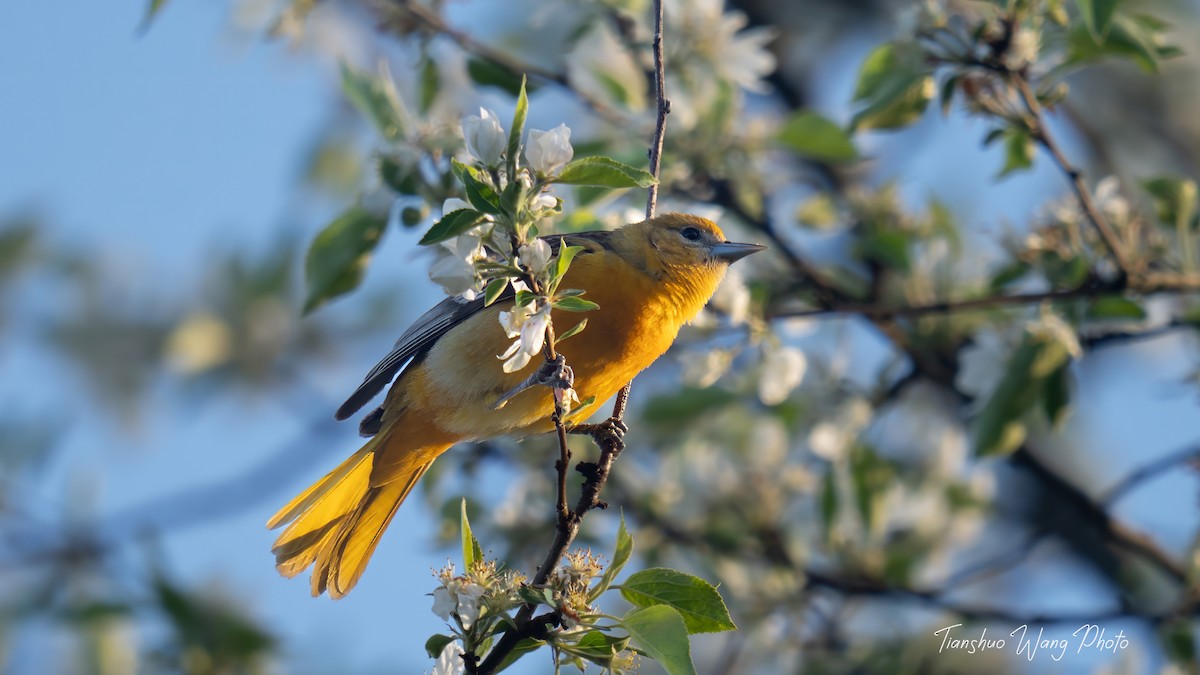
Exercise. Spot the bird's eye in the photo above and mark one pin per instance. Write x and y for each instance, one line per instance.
(690, 233)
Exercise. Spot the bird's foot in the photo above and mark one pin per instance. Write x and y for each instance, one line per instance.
(555, 374)
(609, 433)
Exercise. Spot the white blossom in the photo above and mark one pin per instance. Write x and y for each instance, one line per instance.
(546, 151)
(454, 204)
(535, 255)
(459, 596)
(444, 603)
(450, 661)
(485, 137)
(1110, 200)
(468, 603)
(528, 326)
(782, 370)
(1026, 42)
(545, 201)
(455, 271)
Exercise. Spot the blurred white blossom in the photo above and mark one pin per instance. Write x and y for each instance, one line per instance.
(485, 137)
(782, 371)
(732, 297)
(1023, 51)
(1051, 327)
(827, 441)
(546, 151)
(1111, 202)
(983, 363)
(705, 369)
(832, 437)
(598, 63)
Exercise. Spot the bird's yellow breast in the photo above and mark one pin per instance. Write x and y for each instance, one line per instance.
(639, 316)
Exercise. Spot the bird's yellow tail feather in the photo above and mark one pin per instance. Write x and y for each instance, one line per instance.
(336, 523)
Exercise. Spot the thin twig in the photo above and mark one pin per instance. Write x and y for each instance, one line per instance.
(1082, 193)
(596, 475)
(1089, 290)
(1158, 466)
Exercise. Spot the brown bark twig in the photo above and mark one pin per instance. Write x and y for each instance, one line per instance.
(568, 521)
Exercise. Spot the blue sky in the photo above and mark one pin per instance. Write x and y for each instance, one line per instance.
(152, 150)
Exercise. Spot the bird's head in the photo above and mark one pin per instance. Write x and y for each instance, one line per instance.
(686, 257)
(675, 243)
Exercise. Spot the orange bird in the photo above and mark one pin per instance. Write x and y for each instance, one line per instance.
(649, 278)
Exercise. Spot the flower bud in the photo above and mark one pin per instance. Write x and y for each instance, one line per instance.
(485, 137)
(546, 151)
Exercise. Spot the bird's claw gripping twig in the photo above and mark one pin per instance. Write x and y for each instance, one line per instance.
(611, 432)
(555, 374)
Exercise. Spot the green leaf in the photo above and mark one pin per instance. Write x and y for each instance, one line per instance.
(403, 178)
(815, 137)
(1008, 274)
(659, 632)
(1018, 151)
(1174, 199)
(598, 647)
(1133, 37)
(339, 255)
(494, 288)
(620, 557)
(436, 643)
(696, 600)
(1115, 307)
(480, 194)
(1179, 643)
(1097, 16)
(375, 97)
(575, 304)
(688, 403)
(886, 247)
(152, 10)
(946, 93)
(471, 550)
(604, 172)
(574, 330)
(488, 74)
(517, 128)
(1056, 396)
(451, 225)
(429, 85)
(582, 405)
(829, 502)
(999, 428)
(565, 255)
(870, 477)
(893, 90)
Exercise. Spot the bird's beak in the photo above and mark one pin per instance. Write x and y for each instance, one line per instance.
(729, 251)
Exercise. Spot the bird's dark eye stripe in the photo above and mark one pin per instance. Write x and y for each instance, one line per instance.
(690, 233)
